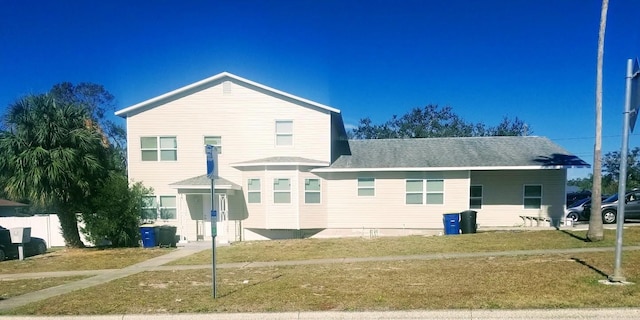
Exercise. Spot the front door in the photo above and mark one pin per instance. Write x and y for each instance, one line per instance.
(223, 216)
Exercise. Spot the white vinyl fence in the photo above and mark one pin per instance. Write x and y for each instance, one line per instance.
(45, 226)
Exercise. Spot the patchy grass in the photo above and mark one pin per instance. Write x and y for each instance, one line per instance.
(304, 249)
(81, 259)
(544, 281)
(12, 288)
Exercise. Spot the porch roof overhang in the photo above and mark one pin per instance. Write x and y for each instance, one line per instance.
(204, 183)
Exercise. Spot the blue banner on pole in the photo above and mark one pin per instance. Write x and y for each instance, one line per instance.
(212, 158)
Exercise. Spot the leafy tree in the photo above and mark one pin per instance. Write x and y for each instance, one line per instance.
(611, 170)
(52, 153)
(509, 127)
(433, 121)
(100, 104)
(582, 183)
(113, 212)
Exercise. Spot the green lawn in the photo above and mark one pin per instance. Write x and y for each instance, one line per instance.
(304, 249)
(492, 282)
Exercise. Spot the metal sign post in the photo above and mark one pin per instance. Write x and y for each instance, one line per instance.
(630, 114)
(212, 173)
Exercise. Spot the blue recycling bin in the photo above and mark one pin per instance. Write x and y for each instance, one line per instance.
(148, 235)
(451, 223)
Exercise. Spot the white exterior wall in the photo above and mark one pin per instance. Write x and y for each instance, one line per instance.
(503, 199)
(245, 120)
(388, 208)
(45, 226)
(313, 215)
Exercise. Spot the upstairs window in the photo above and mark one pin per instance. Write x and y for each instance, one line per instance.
(311, 190)
(254, 191)
(366, 187)
(284, 132)
(215, 141)
(159, 148)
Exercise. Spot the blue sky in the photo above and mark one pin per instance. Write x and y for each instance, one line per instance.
(534, 59)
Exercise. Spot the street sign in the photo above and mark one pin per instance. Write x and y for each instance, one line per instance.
(214, 223)
(635, 95)
(212, 161)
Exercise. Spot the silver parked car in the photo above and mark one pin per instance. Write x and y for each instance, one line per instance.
(610, 207)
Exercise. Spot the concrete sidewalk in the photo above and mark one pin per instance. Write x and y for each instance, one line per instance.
(593, 314)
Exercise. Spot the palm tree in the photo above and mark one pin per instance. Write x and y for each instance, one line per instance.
(51, 155)
(596, 230)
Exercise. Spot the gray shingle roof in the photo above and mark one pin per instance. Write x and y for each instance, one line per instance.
(456, 152)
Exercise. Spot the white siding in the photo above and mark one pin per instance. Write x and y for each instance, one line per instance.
(313, 215)
(245, 120)
(503, 195)
(387, 209)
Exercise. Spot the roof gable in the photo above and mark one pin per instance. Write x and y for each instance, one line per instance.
(455, 153)
(203, 84)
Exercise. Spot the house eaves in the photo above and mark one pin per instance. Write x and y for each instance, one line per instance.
(281, 161)
(203, 83)
(203, 182)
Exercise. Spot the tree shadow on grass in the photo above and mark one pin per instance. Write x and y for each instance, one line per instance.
(250, 285)
(584, 239)
(600, 272)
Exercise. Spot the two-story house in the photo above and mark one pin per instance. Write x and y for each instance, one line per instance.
(286, 169)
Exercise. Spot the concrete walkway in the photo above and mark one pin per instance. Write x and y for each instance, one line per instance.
(101, 276)
(158, 264)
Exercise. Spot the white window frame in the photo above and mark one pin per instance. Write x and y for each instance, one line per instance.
(152, 207)
(277, 191)
(425, 192)
(164, 207)
(480, 198)
(254, 191)
(283, 133)
(159, 148)
(421, 192)
(309, 192)
(363, 188)
(432, 192)
(526, 197)
(218, 145)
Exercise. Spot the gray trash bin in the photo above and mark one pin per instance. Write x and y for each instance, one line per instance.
(167, 236)
(468, 221)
